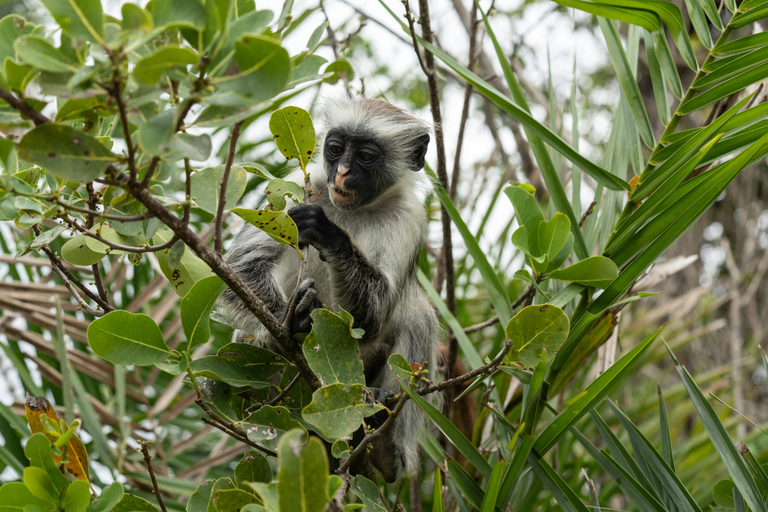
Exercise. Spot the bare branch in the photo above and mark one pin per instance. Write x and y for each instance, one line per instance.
(242, 438)
(118, 247)
(223, 187)
(148, 462)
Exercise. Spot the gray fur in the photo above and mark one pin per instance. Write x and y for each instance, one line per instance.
(377, 284)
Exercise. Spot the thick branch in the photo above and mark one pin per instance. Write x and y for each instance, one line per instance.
(214, 260)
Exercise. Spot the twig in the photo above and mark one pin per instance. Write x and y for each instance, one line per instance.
(118, 247)
(587, 213)
(148, 462)
(130, 149)
(21, 105)
(55, 266)
(285, 391)
(93, 201)
(101, 215)
(487, 368)
(302, 268)
(446, 260)
(361, 446)
(223, 187)
(409, 17)
(242, 438)
(481, 325)
(187, 191)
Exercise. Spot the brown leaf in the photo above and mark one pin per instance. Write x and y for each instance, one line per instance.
(76, 462)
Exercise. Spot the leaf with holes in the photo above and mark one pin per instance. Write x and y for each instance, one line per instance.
(267, 422)
(336, 412)
(534, 328)
(278, 225)
(277, 189)
(294, 134)
(331, 350)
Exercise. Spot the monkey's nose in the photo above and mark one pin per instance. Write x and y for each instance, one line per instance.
(343, 170)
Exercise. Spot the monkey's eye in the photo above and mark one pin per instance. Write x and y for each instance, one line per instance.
(367, 157)
(335, 149)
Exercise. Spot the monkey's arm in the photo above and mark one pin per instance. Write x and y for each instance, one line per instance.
(254, 256)
(360, 287)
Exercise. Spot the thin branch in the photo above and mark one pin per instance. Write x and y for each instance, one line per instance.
(59, 272)
(587, 213)
(118, 247)
(223, 186)
(369, 438)
(101, 215)
(453, 345)
(414, 42)
(187, 191)
(302, 267)
(446, 260)
(21, 105)
(93, 201)
(285, 391)
(148, 462)
(131, 150)
(242, 438)
(481, 325)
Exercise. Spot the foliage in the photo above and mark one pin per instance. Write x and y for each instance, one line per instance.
(112, 173)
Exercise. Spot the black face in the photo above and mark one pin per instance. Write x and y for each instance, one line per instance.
(356, 167)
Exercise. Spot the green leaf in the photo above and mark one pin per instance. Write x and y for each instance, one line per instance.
(454, 435)
(331, 350)
(132, 503)
(492, 489)
(14, 496)
(194, 147)
(265, 423)
(81, 19)
(340, 450)
(38, 52)
(254, 467)
(627, 81)
(277, 189)
(233, 500)
(264, 68)
(639, 495)
(80, 108)
(154, 135)
(110, 496)
(189, 270)
(301, 474)
(722, 493)
(597, 271)
(657, 78)
(533, 329)
(40, 484)
(553, 234)
(122, 337)
(196, 307)
(38, 451)
(277, 225)
(240, 364)
(337, 412)
(734, 463)
(563, 494)
(77, 496)
(206, 185)
(368, 492)
(149, 69)
(724, 89)
(294, 134)
(177, 13)
(65, 152)
(590, 397)
(666, 439)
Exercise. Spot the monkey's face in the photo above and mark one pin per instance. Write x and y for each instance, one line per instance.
(356, 168)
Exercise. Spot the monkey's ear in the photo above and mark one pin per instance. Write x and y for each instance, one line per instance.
(420, 152)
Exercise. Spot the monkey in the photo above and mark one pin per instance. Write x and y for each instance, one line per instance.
(365, 232)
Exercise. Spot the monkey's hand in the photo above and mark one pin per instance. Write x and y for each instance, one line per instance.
(306, 303)
(381, 395)
(317, 230)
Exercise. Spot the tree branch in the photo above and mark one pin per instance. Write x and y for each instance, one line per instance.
(21, 105)
(223, 186)
(118, 247)
(148, 462)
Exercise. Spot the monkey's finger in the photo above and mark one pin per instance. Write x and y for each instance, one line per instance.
(306, 301)
(304, 286)
(304, 324)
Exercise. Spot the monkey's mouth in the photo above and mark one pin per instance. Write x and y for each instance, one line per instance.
(340, 196)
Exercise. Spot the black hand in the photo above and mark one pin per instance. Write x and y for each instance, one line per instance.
(318, 231)
(381, 396)
(306, 303)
